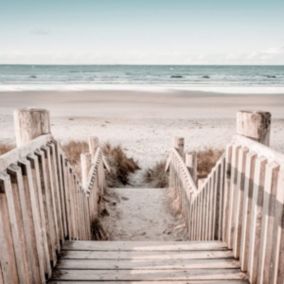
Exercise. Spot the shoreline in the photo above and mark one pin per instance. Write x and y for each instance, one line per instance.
(144, 123)
(225, 90)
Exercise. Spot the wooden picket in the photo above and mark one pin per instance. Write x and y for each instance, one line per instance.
(43, 204)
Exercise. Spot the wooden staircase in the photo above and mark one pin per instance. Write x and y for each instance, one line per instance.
(147, 262)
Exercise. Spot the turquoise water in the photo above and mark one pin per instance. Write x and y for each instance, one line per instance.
(93, 76)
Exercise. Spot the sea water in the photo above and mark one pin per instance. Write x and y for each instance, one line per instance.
(239, 79)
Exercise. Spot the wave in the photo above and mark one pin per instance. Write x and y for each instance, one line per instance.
(146, 88)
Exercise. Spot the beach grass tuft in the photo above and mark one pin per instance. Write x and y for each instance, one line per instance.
(206, 160)
(121, 165)
(156, 176)
(5, 147)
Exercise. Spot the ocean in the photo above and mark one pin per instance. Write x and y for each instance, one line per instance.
(239, 79)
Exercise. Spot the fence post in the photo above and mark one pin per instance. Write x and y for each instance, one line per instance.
(86, 163)
(179, 145)
(254, 125)
(93, 145)
(30, 123)
(191, 163)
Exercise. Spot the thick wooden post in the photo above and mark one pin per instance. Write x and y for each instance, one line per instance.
(254, 125)
(191, 163)
(30, 123)
(179, 145)
(86, 162)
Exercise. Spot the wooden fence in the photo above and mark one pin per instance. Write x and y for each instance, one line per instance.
(240, 203)
(43, 204)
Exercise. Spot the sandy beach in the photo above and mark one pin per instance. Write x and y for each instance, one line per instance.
(144, 123)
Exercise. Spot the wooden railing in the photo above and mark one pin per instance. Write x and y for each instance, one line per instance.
(240, 203)
(43, 204)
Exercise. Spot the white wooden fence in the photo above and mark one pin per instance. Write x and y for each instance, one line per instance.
(42, 205)
(240, 202)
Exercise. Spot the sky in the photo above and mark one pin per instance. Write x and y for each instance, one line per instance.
(141, 32)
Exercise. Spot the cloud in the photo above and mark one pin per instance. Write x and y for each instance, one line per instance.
(40, 32)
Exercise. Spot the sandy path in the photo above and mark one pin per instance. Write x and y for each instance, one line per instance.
(141, 214)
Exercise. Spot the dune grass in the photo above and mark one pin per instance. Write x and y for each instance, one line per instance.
(5, 147)
(121, 165)
(156, 176)
(206, 160)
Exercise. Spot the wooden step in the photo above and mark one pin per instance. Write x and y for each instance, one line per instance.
(147, 262)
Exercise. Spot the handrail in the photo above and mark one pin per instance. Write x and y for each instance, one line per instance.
(241, 203)
(43, 204)
(181, 168)
(21, 152)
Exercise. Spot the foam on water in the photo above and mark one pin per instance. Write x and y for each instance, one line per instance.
(221, 79)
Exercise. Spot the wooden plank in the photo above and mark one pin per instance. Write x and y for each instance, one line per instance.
(221, 199)
(19, 184)
(36, 176)
(18, 235)
(214, 215)
(256, 218)
(276, 269)
(67, 198)
(56, 181)
(233, 189)
(156, 282)
(238, 200)
(144, 246)
(8, 269)
(228, 169)
(136, 275)
(269, 207)
(260, 149)
(247, 205)
(50, 230)
(32, 202)
(159, 264)
(210, 208)
(133, 255)
(21, 152)
(62, 190)
(51, 189)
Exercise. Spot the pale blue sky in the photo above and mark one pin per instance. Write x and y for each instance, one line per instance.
(142, 31)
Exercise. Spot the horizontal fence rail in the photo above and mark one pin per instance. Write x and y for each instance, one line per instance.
(43, 204)
(241, 203)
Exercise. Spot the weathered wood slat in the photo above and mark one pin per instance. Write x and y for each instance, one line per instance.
(136, 275)
(247, 205)
(71, 254)
(35, 171)
(8, 269)
(266, 235)
(157, 282)
(159, 264)
(17, 154)
(276, 270)
(256, 218)
(32, 200)
(238, 199)
(144, 246)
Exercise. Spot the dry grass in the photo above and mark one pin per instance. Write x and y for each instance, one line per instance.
(156, 177)
(206, 159)
(73, 149)
(4, 148)
(121, 165)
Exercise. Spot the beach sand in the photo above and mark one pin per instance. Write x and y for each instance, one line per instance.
(145, 123)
